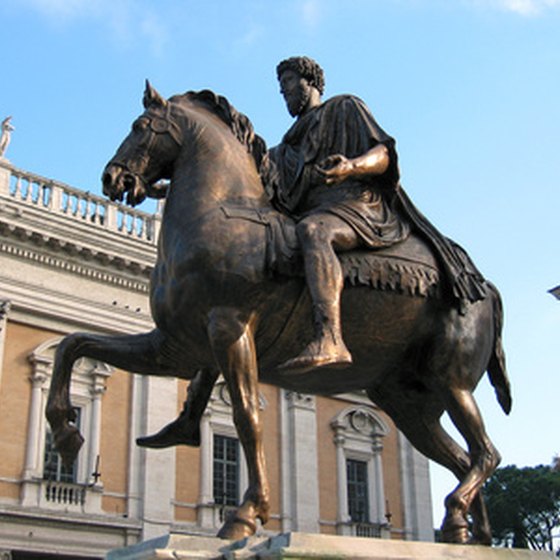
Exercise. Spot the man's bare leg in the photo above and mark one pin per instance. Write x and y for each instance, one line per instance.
(185, 429)
(320, 235)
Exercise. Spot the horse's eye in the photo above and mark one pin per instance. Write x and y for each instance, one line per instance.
(139, 125)
(159, 125)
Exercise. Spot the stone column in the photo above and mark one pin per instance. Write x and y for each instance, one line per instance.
(416, 493)
(304, 466)
(34, 430)
(97, 392)
(343, 517)
(377, 486)
(158, 480)
(4, 310)
(136, 455)
(285, 463)
(205, 509)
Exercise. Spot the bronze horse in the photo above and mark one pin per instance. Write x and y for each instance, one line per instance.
(216, 306)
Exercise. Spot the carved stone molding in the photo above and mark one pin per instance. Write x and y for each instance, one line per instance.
(221, 397)
(4, 310)
(300, 400)
(139, 285)
(359, 422)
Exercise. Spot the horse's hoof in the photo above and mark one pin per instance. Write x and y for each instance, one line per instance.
(480, 541)
(236, 528)
(455, 535)
(68, 442)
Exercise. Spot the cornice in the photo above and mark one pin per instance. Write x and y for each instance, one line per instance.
(50, 308)
(80, 261)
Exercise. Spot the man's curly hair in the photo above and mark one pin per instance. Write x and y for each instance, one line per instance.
(305, 67)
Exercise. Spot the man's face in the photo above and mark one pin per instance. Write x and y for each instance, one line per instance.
(296, 91)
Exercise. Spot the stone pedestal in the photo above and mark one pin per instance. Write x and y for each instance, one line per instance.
(313, 546)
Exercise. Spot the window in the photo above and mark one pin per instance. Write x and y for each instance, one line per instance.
(226, 470)
(358, 435)
(46, 482)
(357, 490)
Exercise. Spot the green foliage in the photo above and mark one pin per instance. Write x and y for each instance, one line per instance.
(524, 506)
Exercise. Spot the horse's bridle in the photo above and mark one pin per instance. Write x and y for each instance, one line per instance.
(166, 124)
(158, 125)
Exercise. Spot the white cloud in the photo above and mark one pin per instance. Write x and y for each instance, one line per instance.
(127, 21)
(253, 34)
(311, 12)
(63, 11)
(521, 7)
(155, 32)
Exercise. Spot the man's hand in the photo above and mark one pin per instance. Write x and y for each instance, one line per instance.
(334, 169)
(337, 168)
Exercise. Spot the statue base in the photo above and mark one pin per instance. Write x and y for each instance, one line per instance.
(313, 546)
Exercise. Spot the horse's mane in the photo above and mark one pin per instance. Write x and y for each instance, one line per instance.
(239, 123)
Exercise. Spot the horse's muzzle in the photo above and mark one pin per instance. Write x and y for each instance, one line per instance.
(117, 180)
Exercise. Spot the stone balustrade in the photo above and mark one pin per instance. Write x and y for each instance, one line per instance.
(61, 199)
(64, 493)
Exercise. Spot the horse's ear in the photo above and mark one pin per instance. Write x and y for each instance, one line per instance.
(152, 97)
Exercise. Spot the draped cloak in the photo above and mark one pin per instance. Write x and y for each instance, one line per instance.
(377, 208)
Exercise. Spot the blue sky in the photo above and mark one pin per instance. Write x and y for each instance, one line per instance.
(469, 88)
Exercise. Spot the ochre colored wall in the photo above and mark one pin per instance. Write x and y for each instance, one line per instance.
(271, 437)
(187, 473)
(15, 393)
(391, 473)
(115, 434)
(327, 409)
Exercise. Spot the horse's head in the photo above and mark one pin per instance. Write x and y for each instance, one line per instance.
(146, 155)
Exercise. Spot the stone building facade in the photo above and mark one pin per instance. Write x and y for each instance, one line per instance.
(71, 261)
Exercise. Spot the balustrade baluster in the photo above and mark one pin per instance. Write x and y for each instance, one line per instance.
(55, 202)
(74, 204)
(17, 187)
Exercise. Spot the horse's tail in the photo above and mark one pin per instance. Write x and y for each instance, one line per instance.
(497, 363)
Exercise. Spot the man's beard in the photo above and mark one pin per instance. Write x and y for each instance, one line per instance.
(296, 105)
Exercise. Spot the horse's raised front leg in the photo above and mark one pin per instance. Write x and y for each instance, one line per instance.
(234, 349)
(136, 353)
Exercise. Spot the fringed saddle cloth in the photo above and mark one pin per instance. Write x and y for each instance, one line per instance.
(407, 267)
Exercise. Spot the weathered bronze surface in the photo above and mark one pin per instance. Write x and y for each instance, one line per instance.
(421, 326)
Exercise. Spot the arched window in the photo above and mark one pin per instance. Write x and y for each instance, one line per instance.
(358, 437)
(46, 483)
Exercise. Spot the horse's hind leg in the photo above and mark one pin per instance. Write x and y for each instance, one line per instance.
(137, 353)
(427, 435)
(440, 447)
(234, 349)
(484, 458)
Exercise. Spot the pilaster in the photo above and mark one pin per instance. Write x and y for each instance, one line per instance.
(304, 495)
(416, 495)
(4, 311)
(4, 178)
(158, 481)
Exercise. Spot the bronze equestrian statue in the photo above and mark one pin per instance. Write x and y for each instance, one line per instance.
(421, 326)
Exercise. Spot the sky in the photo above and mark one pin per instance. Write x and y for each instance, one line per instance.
(469, 89)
